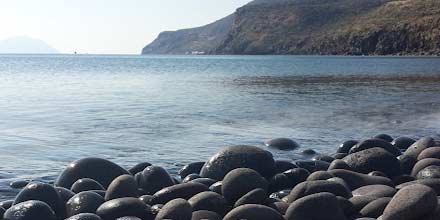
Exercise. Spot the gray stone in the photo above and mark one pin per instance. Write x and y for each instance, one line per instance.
(431, 172)
(253, 212)
(375, 191)
(83, 202)
(240, 181)
(282, 144)
(30, 210)
(319, 206)
(183, 191)
(256, 196)
(375, 208)
(122, 186)
(122, 207)
(190, 169)
(154, 178)
(374, 159)
(210, 201)
(411, 203)
(318, 186)
(375, 143)
(86, 184)
(355, 180)
(101, 170)
(205, 215)
(403, 142)
(177, 209)
(239, 157)
(84, 216)
(422, 164)
(432, 152)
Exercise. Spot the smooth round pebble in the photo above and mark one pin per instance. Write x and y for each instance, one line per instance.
(210, 201)
(90, 168)
(177, 209)
(122, 186)
(240, 181)
(30, 210)
(205, 215)
(86, 184)
(153, 179)
(121, 207)
(184, 191)
(139, 167)
(84, 216)
(319, 206)
(253, 212)
(282, 144)
(83, 202)
(238, 157)
(190, 169)
(374, 159)
(317, 186)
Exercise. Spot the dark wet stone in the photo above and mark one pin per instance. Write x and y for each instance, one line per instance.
(2, 212)
(83, 202)
(279, 182)
(384, 137)
(191, 168)
(319, 175)
(121, 207)
(205, 181)
(85, 216)
(375, 191)
(319, 206)
(280, 194)
(324, 158)
(318, 186)
(6, 204)
(346, 206)
(340, 181)
(375, 143)
(128, 218)
(431, 172)
(240, 181)
(42, 192)
(410, 203)
(422, 164)
(406, 163)
(205, 215)
(359, 202)
(312, 165)
(283, 165)
(86, 184)
(403, 179)
(146, 199)
(177, 209)
(346, 146)
(210, 201)
(282, 144)
(256, 196)
(30, 210)
(309, 152)
(156, 208)
(154, 178)
(122, 186)
(415, 149)
(281, 206)
(100, 192)
(375, 208)
(339, 155)
(239, 157)
(432, 152)
(297, 175)
(253, 211)
(184, 191)
(191, 177)
(377, 173)
(19, 184)
(403, 142)
(139, 167)
(101, 170)
(216, 187)
(433, 183)
(374, 159)
(339, 164)
(355, 180)
(64, 194)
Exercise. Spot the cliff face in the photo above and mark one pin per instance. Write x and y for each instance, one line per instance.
(200, 39)
(346, 27)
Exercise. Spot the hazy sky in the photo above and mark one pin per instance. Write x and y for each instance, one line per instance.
(106, 26)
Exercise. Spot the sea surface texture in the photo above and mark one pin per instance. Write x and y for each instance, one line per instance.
(171, 110)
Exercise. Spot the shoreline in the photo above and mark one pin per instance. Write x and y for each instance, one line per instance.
(378, 178)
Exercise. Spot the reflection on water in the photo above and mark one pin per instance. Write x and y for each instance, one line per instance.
(171, 110)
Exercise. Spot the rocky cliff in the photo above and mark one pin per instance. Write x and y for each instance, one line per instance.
(330, 27)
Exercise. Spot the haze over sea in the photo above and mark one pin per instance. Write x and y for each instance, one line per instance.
(171, 110)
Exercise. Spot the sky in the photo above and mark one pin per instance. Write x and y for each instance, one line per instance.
(106, 26)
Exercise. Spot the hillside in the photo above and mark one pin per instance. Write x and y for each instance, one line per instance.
(330, 27)
(19, 45)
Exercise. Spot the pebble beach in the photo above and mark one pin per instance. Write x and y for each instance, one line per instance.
(382, 178)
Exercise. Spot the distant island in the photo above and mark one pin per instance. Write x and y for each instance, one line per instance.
(25, 45)
(314, 27)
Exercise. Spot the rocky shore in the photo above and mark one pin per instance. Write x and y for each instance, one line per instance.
(376, 178)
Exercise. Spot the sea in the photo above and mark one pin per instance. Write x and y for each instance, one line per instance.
(173, 110)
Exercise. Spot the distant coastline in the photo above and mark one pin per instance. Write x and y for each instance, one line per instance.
(315, 27)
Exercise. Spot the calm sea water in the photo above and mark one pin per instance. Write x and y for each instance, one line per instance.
(171, 110)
